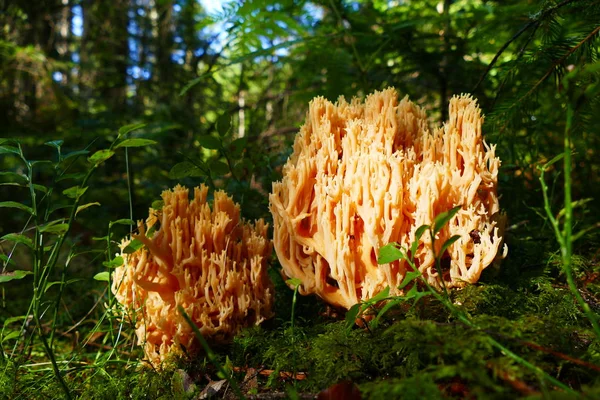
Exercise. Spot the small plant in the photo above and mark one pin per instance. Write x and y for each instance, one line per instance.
(563, 222)
(393, 252)
(45, 237)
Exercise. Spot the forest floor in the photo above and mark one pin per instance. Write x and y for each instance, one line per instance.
(418, 349)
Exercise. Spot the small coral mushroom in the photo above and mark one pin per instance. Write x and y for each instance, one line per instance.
(363, 175)
(210, 262)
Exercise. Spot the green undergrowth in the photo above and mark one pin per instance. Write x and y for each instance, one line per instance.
(416, 351)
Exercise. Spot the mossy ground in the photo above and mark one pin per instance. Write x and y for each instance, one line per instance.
(418, 351)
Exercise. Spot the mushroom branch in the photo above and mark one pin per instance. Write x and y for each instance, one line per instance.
(210, 262)
(365, 174)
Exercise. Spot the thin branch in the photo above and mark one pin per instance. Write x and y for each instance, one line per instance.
(516, 36)
(555, 64)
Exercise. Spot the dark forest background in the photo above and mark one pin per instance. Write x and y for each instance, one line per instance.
(78, 70)
(221, 88)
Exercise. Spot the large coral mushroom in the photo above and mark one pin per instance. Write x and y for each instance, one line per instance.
(210, 262)
(363, 175)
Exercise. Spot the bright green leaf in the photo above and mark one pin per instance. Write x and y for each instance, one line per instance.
(13, 275)
(293, 282)
(389, 305)
(124, 221)
(418, 234)
(124, 130)
(6, 260)
(136, 142)
(55, 143)
(70, 281)
(57, 229)
(100, 156)
(158, 204)
(74, 192)
(9, 149)
(408, 278)
(102, 276)
(443, 218)
(14, 204)
(390, 253)
(11, 335)
(114, 263)
(448, 243)
(84, 206)
(18, 238)
(133, 246)
(351, 316)
(384, 294)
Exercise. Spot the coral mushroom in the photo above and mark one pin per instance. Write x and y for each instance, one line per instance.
(210, 262)
(363, 175)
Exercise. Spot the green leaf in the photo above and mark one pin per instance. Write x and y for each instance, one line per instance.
(18, 238)
(74, 192)
(418, 234)
(390, 253)
(133, 246)
(70, 281)
(55, 143)
(14, 204)
(102, 276)
(574, 204)
(209, 142)
(38, 162)
(6, 260)
(158, 205)
(185, 169)
(40, 188)
(114, 263)
(12, 275)
(123, 221)
(137, 142)
(13, 176)
(124, 130)
(75, 154)
(100, 156)
(443, 218)
(414, 293)
(55, 228)
(408, 278)
(223, 124)
(3, 140)
(293, 282)
(420, 231)
(384, 294)
(99, 239)
(351, 316)
(11, 335)
(552, 161)
(448, 243)
(9, 149)
(84, 206)
(390, 304)
(219, 168)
